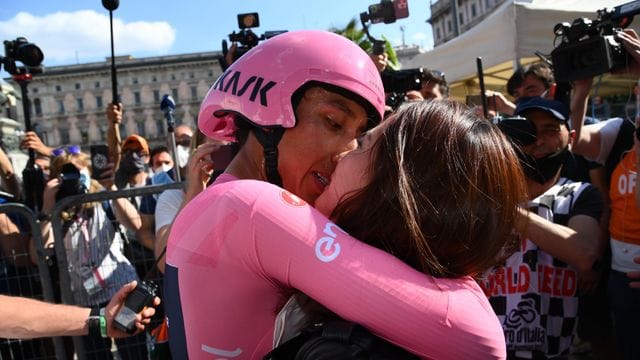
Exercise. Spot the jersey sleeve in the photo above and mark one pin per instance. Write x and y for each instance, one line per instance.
(296, 246)
(590, 203)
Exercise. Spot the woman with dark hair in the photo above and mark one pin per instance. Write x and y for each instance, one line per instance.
(434, 186)
(442, 193)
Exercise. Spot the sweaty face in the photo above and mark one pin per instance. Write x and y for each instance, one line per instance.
(352, 173)
(327, 126)
(551, 134)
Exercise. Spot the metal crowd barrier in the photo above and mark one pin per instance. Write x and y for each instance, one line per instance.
(56, 286)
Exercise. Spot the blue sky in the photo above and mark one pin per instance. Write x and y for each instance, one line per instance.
(77, 31)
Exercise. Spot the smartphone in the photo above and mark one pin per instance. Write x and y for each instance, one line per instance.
(141, 297)
(99, 160)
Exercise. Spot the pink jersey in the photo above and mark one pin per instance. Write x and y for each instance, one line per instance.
(237, 247)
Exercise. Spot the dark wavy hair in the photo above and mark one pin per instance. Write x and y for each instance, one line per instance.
(443, 194)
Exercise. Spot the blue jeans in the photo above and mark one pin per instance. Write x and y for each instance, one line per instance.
(625, 305)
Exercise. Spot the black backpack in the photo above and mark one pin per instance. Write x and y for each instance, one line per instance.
(337, 340)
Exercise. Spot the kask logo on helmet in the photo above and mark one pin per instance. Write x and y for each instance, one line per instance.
(257, 84)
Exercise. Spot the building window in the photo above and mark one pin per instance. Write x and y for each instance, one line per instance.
(34, 90)
(136, 98)
(156, 96)
(97, 85)
(173, 77)
(154, 79)
(84, 135)
(37, 107)
(191, 76)
(174, 94)
(58, 88)
(437, 33)
(64, 136)
(461, 16)
(194, 93)
(60, 107)
(140, 128)
(99, 104)
(134, 80)
(77, 86)
(103, 132)
(487, 4)
(210, 73)
(160, 127)
(449, 25)
(474, 11)
(80, 104)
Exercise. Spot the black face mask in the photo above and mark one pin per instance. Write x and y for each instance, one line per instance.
(131, 164)
(545, 168)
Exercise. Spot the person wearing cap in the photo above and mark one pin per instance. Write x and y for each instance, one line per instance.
(535, 292)
(132, 172)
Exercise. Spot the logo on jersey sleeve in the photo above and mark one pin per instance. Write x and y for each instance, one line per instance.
(291, 199)
(327, 248)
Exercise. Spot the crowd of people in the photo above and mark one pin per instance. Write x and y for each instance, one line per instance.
(307, 201)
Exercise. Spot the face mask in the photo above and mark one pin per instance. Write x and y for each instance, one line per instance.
(85, 179)
(183, 155)
(132, 163)
(162, 168)
(545, 168)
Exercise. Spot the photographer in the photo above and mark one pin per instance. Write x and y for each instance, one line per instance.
(97, 266)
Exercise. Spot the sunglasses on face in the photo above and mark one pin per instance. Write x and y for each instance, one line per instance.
(71, 150)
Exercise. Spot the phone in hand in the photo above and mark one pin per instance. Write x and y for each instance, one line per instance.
(141, 297)
(99, 160)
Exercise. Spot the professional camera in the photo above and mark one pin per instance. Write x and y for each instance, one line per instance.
(401, 81)
(21, 50)
(246, 38)
(70, 183)
(386, 11)
(397, 82)
(589, 48)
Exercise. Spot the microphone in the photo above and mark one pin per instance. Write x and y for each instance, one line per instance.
(167, 105)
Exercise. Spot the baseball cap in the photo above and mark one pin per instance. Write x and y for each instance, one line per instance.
(136, 142)
(553, 107)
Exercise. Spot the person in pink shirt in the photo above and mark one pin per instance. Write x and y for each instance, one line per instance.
(442, 194)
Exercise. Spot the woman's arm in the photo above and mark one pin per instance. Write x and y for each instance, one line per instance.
(268, 230)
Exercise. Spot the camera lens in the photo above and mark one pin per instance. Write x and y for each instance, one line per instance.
(29, 54)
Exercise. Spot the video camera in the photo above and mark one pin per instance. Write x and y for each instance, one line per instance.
(70, 182)
(23, 51)
(387, 11)
(589, 48)
(246, 38)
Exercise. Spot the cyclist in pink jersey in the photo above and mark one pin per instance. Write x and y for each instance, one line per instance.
(445, 186)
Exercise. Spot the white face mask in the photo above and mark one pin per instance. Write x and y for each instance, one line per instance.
(183, 155)
(85, 178)
(163, 168)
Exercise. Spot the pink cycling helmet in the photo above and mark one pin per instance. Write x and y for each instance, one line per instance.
(259, 86)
